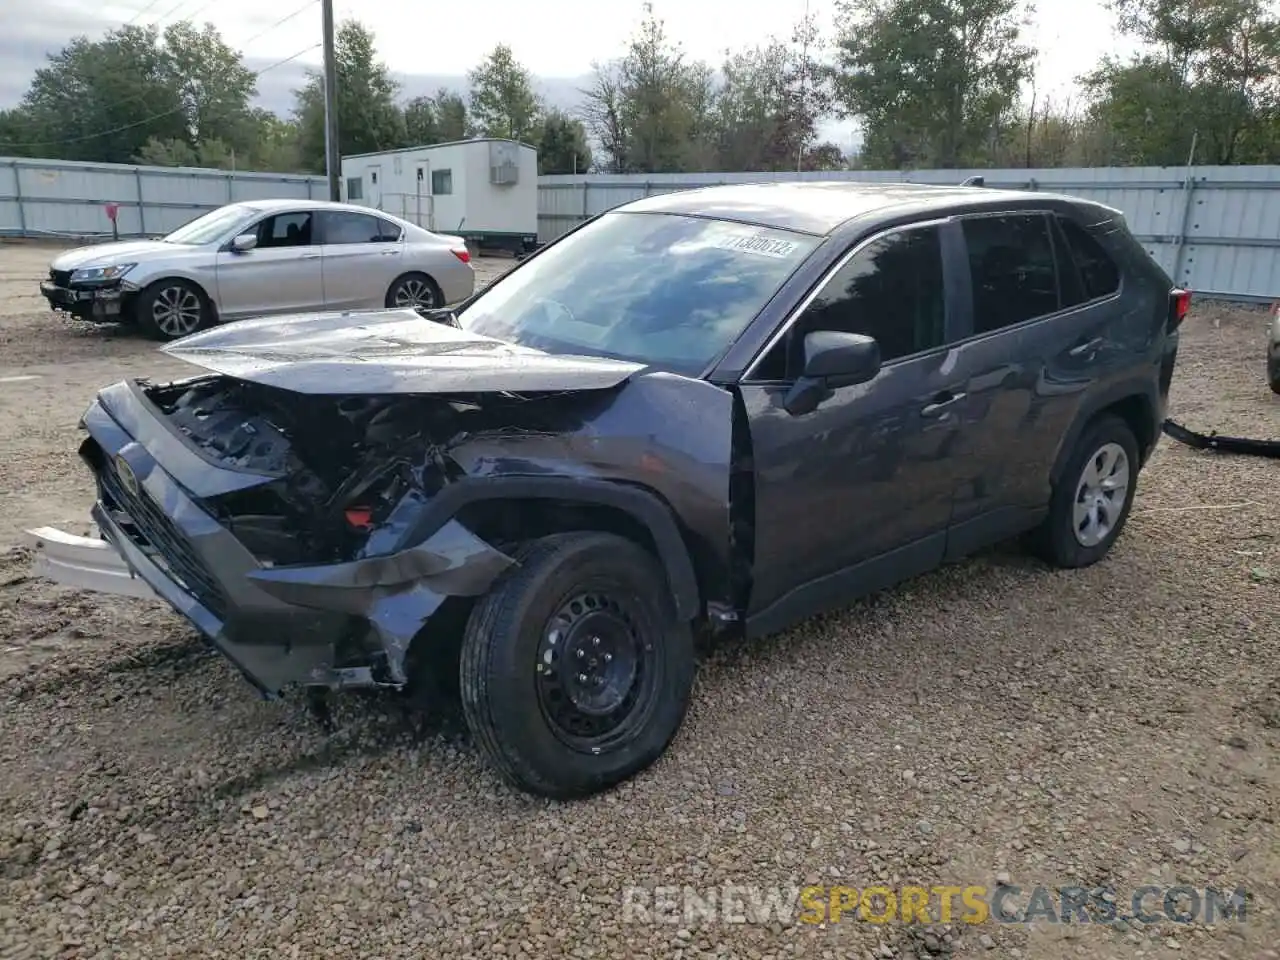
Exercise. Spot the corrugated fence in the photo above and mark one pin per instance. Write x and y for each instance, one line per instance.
(1215, 230)
(61, 198)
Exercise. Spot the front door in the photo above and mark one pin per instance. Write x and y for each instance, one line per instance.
(282, 274)
(362, 256)
(858, 493)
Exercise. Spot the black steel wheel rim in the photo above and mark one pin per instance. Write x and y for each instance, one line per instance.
(595, 671)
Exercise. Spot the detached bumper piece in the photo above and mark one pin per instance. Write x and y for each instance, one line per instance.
(86, 563)
(103, 303)
(1212, 441)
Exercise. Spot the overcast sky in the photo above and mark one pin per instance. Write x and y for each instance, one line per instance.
(429, 43)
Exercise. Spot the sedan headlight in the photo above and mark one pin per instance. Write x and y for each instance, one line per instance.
(91, 274)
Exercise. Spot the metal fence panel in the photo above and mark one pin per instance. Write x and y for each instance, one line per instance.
(1214, 229)
(63, 198)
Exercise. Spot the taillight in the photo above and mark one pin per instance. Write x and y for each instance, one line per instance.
(1179, 306)
(464, 254)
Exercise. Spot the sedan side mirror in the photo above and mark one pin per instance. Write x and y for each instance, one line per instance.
(244, 243)
(832, 359)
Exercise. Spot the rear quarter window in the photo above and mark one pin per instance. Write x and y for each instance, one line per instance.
(1099, 274)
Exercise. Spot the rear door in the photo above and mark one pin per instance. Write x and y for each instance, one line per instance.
(1038, 342)
(362, 257)
(281, 274)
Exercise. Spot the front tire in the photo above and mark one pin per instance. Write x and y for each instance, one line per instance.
(576, 672)
(1273, 374)
(1093, 497)
(172, 309)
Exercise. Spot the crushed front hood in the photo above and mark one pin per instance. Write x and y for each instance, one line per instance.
(386, 351)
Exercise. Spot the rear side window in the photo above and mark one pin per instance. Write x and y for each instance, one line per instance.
(1098, 272)
(1011, 264)
(342, 227)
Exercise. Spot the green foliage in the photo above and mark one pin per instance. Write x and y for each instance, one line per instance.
(369, 119)
(1211, 73)
(503, 103)
(932, 81)
(562, 145)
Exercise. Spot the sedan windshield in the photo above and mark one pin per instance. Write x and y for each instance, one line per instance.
(667, 291)
(211, 226)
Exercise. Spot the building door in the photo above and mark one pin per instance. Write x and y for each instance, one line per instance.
(374, 197)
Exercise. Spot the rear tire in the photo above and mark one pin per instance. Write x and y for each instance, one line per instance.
(575, 671)
(416, 291)
(172, 309)
(1273, 374)
(1093, 497)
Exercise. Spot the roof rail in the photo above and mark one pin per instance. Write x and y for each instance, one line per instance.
(974, 181)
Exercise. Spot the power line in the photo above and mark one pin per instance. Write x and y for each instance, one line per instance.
(135, 17)
(145, 120)
(285, 19)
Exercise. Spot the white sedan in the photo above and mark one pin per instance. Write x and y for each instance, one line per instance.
(258, 258)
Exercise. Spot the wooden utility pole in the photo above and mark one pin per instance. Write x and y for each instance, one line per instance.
(332, 155)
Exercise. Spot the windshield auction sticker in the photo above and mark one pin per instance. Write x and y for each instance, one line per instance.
(758, 245)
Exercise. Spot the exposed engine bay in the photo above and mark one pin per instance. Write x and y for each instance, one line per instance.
(341, 465)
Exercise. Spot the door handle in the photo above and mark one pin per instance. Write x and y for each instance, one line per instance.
(388, 253)
(310, 256)
(1089, 346)
(941, 403)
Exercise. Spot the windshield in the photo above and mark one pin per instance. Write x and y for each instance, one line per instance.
(664, 290)
(211, 226)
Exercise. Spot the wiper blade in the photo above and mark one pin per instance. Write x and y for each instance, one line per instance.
(445, 315)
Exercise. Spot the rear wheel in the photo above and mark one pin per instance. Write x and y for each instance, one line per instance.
(1092, 499)
(575, 671)
(415, 290)
(170, 309)
(1273, 374)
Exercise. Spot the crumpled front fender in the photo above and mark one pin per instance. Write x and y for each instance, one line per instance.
(398, 593)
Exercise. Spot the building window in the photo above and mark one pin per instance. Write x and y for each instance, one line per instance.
(354, 188)
(441, 181)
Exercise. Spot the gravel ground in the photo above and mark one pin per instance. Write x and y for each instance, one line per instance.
(1117, 725)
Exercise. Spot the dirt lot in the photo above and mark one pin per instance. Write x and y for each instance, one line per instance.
(1118, 725)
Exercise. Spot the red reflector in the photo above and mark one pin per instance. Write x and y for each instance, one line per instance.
(1181, 303)
(360, 517)
(463, 255)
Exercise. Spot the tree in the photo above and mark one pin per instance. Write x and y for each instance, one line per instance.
(214, 86)
(932, 81)
(503, 103)
(368, 118)
(562, 145)
(100, 100)
(768, 105)
(421, 126)
(1210, 68)
(451, 115)
(652, 110)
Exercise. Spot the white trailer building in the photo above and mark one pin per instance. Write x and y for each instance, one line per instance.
(485, 190)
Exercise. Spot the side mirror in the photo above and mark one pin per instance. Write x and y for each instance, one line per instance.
(244, 243)
(831, 359)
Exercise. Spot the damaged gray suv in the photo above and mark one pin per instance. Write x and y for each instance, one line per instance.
(716, 411)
